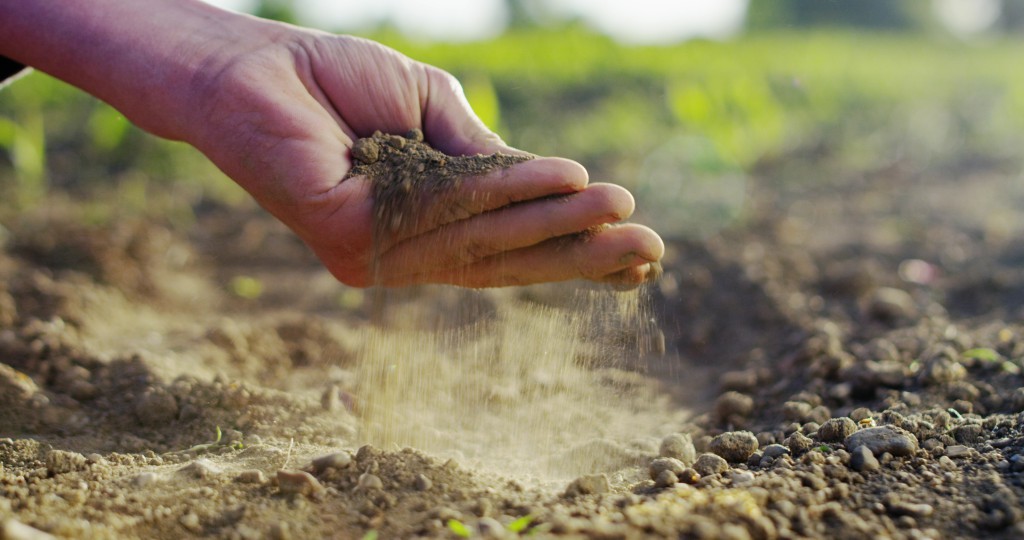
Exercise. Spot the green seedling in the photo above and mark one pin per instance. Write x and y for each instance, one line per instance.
(207, 447)
(516, 527)
(982, 353)
(955, 413)
(520, 524)
(370, 535)
(459, 528)
(823, 448)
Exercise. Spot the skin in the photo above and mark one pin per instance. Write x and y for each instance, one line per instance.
(277, 108)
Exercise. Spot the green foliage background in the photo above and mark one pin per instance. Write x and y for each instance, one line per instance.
(849, 99)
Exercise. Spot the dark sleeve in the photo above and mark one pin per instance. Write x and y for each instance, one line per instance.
(9, 68)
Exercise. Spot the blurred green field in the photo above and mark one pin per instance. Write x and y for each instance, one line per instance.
(834, 101)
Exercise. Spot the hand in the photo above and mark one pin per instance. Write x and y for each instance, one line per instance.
(278, 108)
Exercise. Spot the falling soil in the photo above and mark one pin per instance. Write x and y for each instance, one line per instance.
(845, 367)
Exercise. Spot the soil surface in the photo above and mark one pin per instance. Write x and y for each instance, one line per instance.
(836, 366)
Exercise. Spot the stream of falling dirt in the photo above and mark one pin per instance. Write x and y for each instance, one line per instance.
(546, 390)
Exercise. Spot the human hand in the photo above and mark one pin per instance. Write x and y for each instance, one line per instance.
(278, 108)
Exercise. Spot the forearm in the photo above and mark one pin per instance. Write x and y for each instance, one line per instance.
(140, 56)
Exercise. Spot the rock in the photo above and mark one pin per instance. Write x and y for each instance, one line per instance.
(337, 460)
(291, 482)
(968, 433)
(666, 478)
(883, 439)
(773, 451)
(863, 460)
(422, 482)
(678, 446)
(957, 450)
(836, 429)
(799, 443)
(61, 462)
(732, 404)
(734, 446)
(592, 484)
(13, 529)
(709, 464)
(369, 481)
(665, 464)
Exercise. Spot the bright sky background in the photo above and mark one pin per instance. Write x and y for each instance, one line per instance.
(633, 21)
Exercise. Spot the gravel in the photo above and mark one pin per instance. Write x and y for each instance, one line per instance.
(882, 439)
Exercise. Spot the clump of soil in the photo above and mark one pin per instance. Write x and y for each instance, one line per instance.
(406, 171)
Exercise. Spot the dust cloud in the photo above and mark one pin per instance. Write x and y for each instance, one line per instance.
(551, 390)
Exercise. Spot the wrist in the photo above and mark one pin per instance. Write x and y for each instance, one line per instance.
(143, 57)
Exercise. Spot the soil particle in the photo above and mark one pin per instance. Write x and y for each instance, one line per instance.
(836, 429)
(666, 478)
(734, 446)
(678, 446)
(863, 460)
(405, 172)
(62, 461)
(156, 407)
(201, 469)
(665, 464)
(591, 484)
(422, 482)
(883, 439)
(292, 482)
(710, 464)
(336, 460)
(798, 443)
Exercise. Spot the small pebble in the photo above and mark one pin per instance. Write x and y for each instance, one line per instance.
(665, 464)
(799, 443)
(666, 478)
(678, 446)
(156, 407)
(863, 460)
(710, 464)
(773, 451)
(883, 439)
(369, 481)
(337, 460)
(422, 482)
(957, 450)
(968, 433)
(592, 484)
(734, 446)
(291, 482)
(836, 429)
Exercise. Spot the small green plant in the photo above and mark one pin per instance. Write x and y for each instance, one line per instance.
(459, 528)
(207, 447)
(982, 353)
(370, 535)
(520, 524)
(823, 448)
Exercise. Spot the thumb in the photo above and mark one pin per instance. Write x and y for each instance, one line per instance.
(449, 123)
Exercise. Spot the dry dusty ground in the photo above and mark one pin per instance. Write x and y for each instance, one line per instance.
(845, 363)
